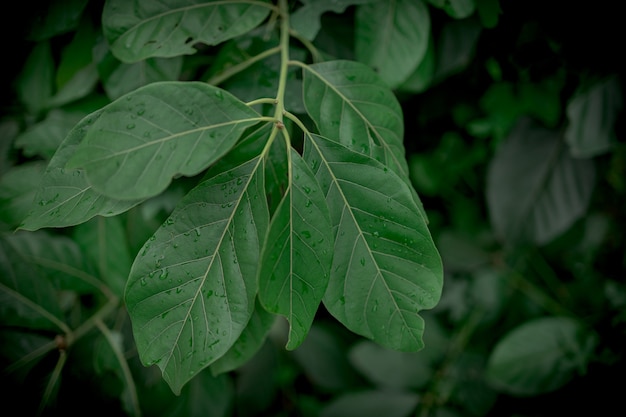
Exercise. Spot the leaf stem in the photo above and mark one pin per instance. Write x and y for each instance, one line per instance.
(315, 54)
(261, 101)
(297, 121)
(235, 69)
(284, 59)
(52, 382)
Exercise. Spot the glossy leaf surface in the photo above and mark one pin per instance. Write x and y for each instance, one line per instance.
(385, 267)
(144, 139)
(137, 29)
(297, 254)
(191, 289)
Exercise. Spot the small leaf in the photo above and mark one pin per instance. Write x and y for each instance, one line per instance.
(392, 37)
(591, 119)
(535, 189)
(385, 267)
(137, 31)
(350, 103)
(64, 197)
(17, 191)
(192, 287)
(142, 140)
(45, 137)
(296, 258)
(540, 356)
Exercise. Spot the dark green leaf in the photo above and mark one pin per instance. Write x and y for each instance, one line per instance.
(489, 11)
(296, 257)
(349, 103)
(249, 342)
(45, 137)
(104, 242)
(540, 356)
(372, 403)
(385, 267)
(17, 191)
(137, 30)
(144, 139)
(35, 83)
(306, 19)
(56, 17)
(592, 115)
(392, 37)
(192, 287)
(64, 197)
(535, 189)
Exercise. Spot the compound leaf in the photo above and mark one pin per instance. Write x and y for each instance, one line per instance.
(138, 29)
(144, 139)
(385, 267)
(192, 287)
(297, 254)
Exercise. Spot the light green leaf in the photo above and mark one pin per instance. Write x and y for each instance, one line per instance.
(192, 287)
(350, 103)
(591, 116)
(64, 197)
(540, 356)
(137, 30)
(392, 37)
(297, 253)
(385, 267)
(144, 139)
(535, 189)
(306, 19)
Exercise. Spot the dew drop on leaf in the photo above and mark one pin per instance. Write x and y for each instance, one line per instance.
(130, 126)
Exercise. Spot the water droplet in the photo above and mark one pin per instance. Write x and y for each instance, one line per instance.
(130, 126)
(362, 261)
(219, 95)
(140, 112)
(164, 274)
(209, 293)
(306, 234)
(143, 281)
(376, 234)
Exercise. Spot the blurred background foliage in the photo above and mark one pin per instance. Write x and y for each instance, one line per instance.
(515, 142)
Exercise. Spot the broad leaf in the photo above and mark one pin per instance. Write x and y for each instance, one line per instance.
(64, 197)
(540, 356)
(297, 253)
(392, 37)
(125, 78)
(137, 30)
(144, 139)
(385, 267)
(17, 191)
(535, 189)
(350, 103)
(372, 403)
(249, 342)
(592, 115)
(104, 242)
(27, 298)
(191, 289)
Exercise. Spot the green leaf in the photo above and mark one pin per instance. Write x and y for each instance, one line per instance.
(35, 82)
(385, 267)
(372, 403)
(142, 140)
(392, 37)
(64, 197)
(45, 137)
(249, 342)
(591, 116)
(27, 298)
(104, 242)
(540, 356)
(306, 19)
(390, 369)
(457, 9)
(535, 189)
(296, 258)
(191, 289)
(136, 30)
(56, 17)
(350, 103)
(129, 77)
(17, 191)
(489, 11)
